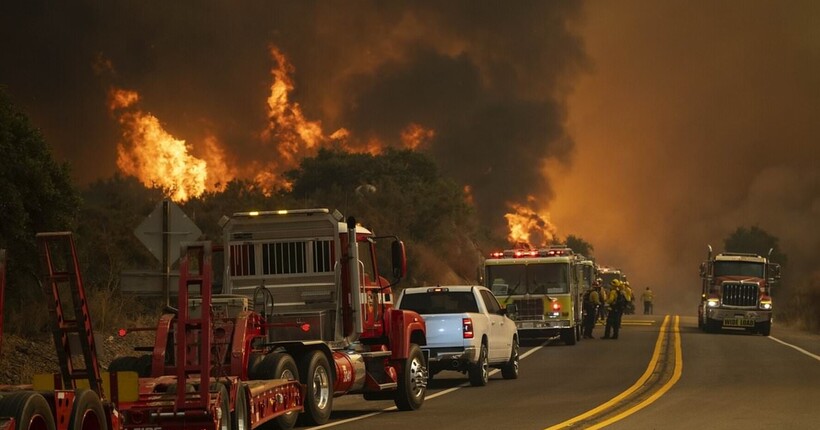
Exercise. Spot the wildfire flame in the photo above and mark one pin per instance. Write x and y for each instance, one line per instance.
(150, 153)
(153, 155)
(528, 226)
(415, 136)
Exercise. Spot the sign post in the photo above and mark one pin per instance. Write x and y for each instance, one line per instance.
(162, 232)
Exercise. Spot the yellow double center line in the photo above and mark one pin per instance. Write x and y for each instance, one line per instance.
(649, 387)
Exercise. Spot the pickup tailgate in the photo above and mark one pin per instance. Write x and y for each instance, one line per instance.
(445, 330)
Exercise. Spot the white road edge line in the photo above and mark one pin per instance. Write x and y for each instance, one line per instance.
(816, 357)
(440, 393)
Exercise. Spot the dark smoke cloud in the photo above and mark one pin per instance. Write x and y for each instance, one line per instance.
(698, 118)
(489, 78)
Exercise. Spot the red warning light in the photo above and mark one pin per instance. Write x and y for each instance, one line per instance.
(122, 332)
(305, 327)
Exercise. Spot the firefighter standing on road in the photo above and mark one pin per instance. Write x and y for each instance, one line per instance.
(617, 301)
(602, 297)
(591, 303)
(647, 298)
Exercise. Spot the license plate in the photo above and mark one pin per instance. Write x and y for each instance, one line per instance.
(738, 322)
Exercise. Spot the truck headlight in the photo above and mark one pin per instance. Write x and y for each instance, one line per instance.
(712, 302)
(766, 305)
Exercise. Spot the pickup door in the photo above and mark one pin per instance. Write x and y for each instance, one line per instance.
(499, 332)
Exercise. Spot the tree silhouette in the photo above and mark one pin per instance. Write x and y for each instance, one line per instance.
(755, 240)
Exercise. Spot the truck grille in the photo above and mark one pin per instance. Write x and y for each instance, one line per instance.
(737, 294)
(530, 308)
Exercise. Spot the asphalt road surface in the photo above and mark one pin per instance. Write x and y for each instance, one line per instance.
(662, 373)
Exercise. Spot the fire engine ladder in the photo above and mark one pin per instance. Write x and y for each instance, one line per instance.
(69, 311)
(193, 334)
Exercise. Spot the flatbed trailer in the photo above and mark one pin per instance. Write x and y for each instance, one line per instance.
(206, 352)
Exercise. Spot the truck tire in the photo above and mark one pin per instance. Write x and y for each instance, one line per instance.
(241, 416)
(764, 328)
(412, 387)
(87, 413)
(29, 409)
(277, 365)
(568, 336)
(225, 405)
(479, 372)
(314, 372)
(510, 369)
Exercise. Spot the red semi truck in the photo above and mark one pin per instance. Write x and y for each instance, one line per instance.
(302, 299)
(321, 274)
(736, 292)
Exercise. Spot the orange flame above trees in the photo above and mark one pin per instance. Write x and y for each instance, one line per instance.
(153, 155)
(528, 226)
(157, 158)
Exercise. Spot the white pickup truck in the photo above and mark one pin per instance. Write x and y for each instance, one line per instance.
(467, 331)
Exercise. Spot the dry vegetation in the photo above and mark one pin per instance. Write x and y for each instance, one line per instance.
(23, 357)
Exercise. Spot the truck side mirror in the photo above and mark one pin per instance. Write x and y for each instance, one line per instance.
(774, 272)
(511, 309)
(399, 257)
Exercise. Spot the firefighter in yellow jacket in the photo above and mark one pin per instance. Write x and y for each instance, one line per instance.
(616, 301)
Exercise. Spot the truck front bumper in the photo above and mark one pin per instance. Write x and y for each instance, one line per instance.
(738, 317)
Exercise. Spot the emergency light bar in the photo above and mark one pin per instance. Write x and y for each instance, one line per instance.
(525, 253)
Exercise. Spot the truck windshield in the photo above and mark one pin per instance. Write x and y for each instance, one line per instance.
(548, 278)
(738, 268)
(445, 302)
(535, 278)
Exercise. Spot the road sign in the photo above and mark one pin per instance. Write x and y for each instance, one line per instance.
(180, 229)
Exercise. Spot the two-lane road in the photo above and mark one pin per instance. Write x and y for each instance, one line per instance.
(657, 375)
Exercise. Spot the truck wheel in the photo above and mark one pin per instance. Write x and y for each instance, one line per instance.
(712, 326)
(30, 410)
(278, 365)
(225, 405)
(479, 372)
(764, 328)
(412, 381)
(87, 413)
(510, 369)
(314, 372)
(568, 336)
(240, 418)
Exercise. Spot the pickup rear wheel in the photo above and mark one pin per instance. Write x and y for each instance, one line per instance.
(510, 369)
(479, 372)
(412, 381)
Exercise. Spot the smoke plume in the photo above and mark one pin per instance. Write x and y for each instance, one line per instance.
(481, 86)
